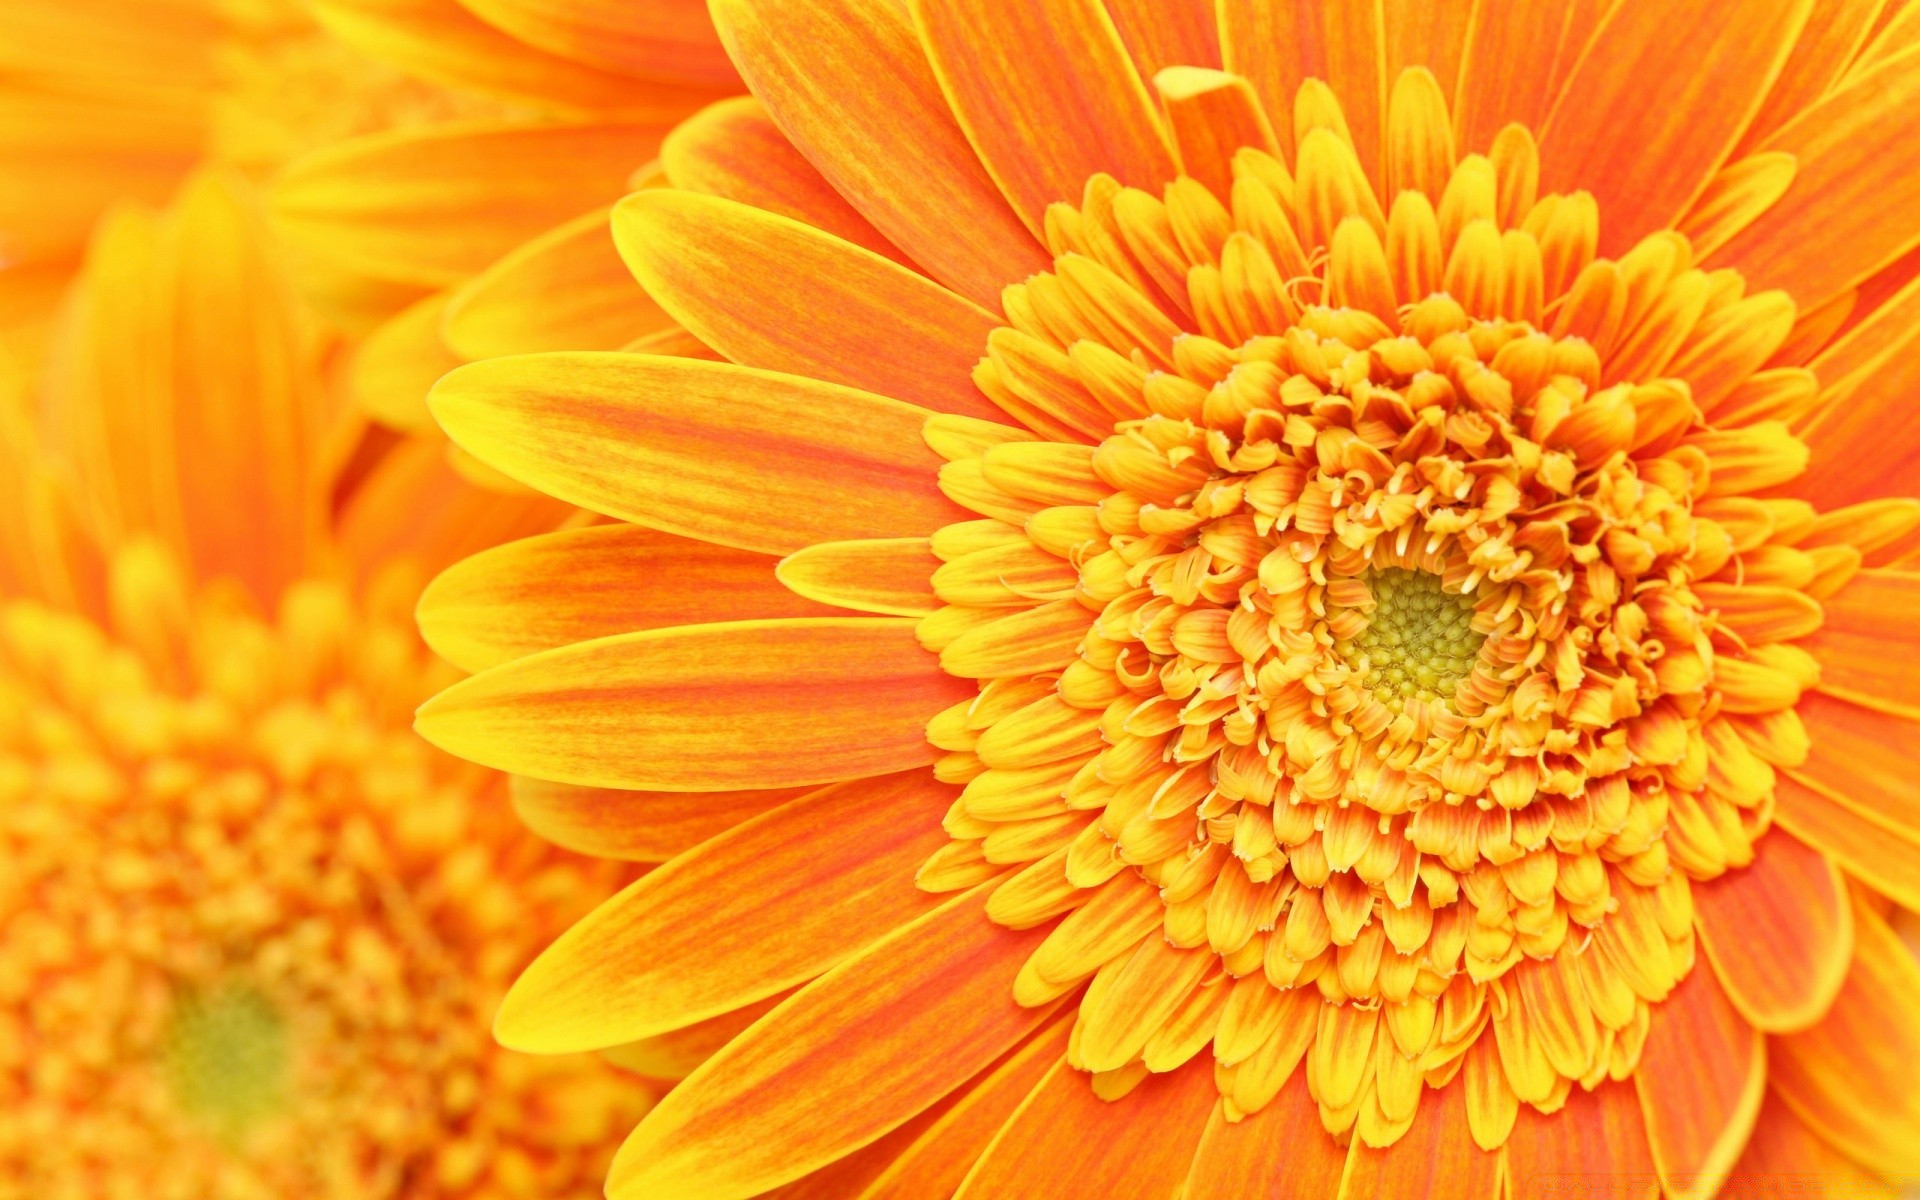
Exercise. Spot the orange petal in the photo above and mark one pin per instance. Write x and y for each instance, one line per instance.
(1886, 862)
(1783, 1148)
(744, 458)
(734, 150)
(398, 364)
(1845, 216)
(675, 1055)
(890, 575)
(1512, 68)
(245, 396)
(1212, 115)
(882, 134)
(769, 291)
(705, 708)
(940, 1157)
(658, 40)
(565, 290)
(850, 1057)
(1834, 34)
(635, 826)
(1850, 1078)
(1426, 33)
(1645, 142)
(442, 41)
(690, 940)
(1867, 645)
(1167, 33)
(1279, 1153)
(579, 584)
(1280, 44)
(1139, 1145)
(447, 517)
(432, 205)
(1701, 1077)
(1597, 1135)
(1779, 933)
(1048, 97)
(1863, 760)
(1435, 1157)
(1861, 450)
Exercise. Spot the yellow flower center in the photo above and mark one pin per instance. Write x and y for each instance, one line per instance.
(253, 928)
(226, 1056)
(1418, 643)
(1380, 628)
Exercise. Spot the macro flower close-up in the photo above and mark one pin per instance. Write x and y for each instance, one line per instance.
(1239, 600)
(959, 599)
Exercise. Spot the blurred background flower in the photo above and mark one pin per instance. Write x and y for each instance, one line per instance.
(252, 929)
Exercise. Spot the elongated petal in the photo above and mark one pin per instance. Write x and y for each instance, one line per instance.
(1279, 1153)
(730, 455)
(705, 708)
(1337, 42)
(579, 584)
(881, 132)
(565, 290)
(734, 150)
(1886, 862)
(1435, 1156)
(659, 40)
(1043, 134)
(933, 1166)
(1512, 68)
(398, 364)
(1167, 33)
(850, 1057)
(675, 1055)
(688, 941)
(890, 575)
(1834, 35)
(442, 41)
(245, 403)
(1783, 1148)
(1779, 933)
(1843, 218)
(1861, 450)
(769, 291)
(435, 204)
(1701, 1077)
(1867, 643)
(635, 826)
(1141, 1144)
(1597, 1135)
(1863, 760)
(1850, 1078)
(1614, 132)
(448, 517)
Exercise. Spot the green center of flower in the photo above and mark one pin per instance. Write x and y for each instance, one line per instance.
(1419, 642)
(226, 1056)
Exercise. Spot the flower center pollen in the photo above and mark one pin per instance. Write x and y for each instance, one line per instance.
(1419, 642)
(226, 1056)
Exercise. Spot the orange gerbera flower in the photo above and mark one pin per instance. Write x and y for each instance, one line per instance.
(1384, 678)
(252, 929)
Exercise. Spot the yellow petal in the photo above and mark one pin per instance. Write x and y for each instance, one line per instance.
(705, 708)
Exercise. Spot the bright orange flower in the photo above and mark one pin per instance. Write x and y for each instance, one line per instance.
(252, 929)
(1341, 611)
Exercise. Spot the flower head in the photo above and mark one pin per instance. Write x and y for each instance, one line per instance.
(1372, 536)
(252, 929)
